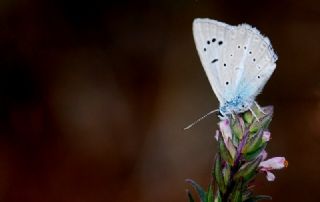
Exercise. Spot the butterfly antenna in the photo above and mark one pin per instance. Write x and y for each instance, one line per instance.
(197, 121)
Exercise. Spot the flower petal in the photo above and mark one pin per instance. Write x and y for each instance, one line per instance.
(216, 136)
(225, 129)
(270, 176)
(266, 136)
(264, 155)
(274, 163)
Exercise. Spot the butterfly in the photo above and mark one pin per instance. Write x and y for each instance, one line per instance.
(238, 61)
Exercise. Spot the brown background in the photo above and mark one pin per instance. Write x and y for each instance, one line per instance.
(94, 96)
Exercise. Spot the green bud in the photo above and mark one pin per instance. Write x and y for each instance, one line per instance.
(248, 117)
(237, 127)
(262, 123)
(255, 153)
(254, 146)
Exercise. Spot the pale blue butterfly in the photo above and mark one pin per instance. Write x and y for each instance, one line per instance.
(238, 62)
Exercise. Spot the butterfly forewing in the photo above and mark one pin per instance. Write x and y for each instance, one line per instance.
(209, 37)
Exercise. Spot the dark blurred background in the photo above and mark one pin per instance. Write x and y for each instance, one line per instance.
(94, 96)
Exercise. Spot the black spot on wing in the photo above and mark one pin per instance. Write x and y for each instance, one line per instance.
(215, 60)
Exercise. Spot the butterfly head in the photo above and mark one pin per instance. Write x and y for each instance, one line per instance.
(236, 105)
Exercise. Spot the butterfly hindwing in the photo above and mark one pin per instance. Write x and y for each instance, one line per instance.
(259, 63)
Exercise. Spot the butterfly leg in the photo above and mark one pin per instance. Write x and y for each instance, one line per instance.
(254, 114)
(233, 115)
(260, 109)
(224, 116)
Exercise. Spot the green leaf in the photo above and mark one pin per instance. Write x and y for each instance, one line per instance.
(255, 153)
(210, 194)
(225, 154)
(190, 196)
(218, 197)
(258, 198)
(248, 170)
(254, 142)
(198, 188)
(236, 195)
(253, 122)
(263, 122)
(218, 176)
(226, 173)
(246, 195)
(254, 146)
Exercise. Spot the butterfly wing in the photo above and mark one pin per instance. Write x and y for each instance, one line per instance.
(238, 60)
(208, 36)
(259, 62)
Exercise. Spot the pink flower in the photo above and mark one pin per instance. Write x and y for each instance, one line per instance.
(270, 176)
(225, 129)
(275, 163)
(266, 136)
(226, 132)
(264, 155)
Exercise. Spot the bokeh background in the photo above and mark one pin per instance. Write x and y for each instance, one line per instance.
(94, 96)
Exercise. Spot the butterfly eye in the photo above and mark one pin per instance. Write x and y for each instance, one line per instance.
(258, 77)
(208, 42)
(204, 49)
(220, 43)
(227, 83)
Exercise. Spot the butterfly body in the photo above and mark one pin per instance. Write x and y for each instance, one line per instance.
(238, 104)
(238, 62)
